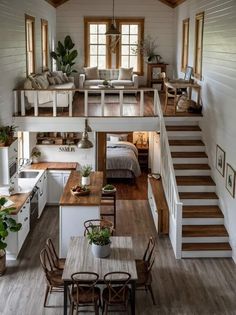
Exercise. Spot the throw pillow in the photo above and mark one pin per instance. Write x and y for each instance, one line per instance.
(28, 84)
(58, 80)
(35, 84)
(91, 73)
(42, 80)
(65, 78)
(125, 74)
(51, 80)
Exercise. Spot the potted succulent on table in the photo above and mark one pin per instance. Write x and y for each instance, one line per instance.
(7, 224)
(85, 175)
(99, 238)
(35, 155)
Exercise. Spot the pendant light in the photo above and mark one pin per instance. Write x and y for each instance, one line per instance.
(85, 143)
(112, 30)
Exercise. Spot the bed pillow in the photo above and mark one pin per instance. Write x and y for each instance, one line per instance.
(122, 137)
(125, 74)
(91, 73)
(114, 138)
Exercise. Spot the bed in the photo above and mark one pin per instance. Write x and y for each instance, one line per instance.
(122, 158)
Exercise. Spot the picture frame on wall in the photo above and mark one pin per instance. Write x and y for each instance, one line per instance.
(230, 180)
(220, 160)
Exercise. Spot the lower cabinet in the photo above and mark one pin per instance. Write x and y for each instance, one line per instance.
(43, 192)
(153, 205)
(56, 183)
(15, 240)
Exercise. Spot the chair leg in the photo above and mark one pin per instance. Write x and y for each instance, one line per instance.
(96, 308)
(46, 296)
(152, 295)
(71, 308)
(103, 306)
(106, 308)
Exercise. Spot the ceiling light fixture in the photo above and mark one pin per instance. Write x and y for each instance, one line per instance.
(85, 143)
(112, 31)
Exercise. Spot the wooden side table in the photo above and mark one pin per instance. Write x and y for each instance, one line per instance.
(143, 155)
(153, 74)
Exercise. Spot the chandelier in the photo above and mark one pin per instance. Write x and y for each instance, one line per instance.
(113, 32)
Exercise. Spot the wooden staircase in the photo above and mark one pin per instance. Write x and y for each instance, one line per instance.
(203, 230)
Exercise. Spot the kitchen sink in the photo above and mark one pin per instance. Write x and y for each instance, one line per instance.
(25, 174)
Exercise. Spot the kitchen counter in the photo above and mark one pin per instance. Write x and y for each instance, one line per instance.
(54, 166)
(19, 200)
(93, 199)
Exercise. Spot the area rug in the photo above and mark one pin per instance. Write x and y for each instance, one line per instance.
(127, 99)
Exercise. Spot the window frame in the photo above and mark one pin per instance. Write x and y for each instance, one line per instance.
(128, 21)
(32, 20)
(87, 22)
(185, 44)
(199, 22)
(44, 23)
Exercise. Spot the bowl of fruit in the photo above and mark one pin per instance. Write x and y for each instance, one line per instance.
(79, 190)
(108, 189)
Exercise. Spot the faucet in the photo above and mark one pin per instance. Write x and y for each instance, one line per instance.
(23, 162)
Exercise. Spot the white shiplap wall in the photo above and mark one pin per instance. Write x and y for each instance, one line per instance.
(218, 88)
(159, 22)
(12, 46)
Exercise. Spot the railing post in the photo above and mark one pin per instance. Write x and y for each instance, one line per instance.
(22, 102)
(15, 102)
(36, 111)
(121, 102)
(70, 103)
(85, 103)
(155, 101)
(102, 102)
(141, 102)
(54, 103)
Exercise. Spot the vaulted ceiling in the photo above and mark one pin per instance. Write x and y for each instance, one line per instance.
(171, 3)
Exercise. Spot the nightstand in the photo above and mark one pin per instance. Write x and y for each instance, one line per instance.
(143, 155)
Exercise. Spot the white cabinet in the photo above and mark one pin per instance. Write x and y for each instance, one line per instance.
(152, 205)
(154, 152)
(8, 162)
(43, 192)
(56, 183)
(15, 240)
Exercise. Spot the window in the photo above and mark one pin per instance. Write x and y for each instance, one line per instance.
(97, 45)
(96, 48)
(185, 43)
(30, 54)
(44, 43)
(131, 35)
(199, 22)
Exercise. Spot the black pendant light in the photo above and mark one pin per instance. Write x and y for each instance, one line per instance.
(112, 30)
(85, 143)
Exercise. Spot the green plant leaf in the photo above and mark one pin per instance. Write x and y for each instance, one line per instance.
(68, 43)
(2, 244)
(61, 49)
(72, 55)
(54, 55)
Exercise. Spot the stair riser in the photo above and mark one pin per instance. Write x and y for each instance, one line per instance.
(196, 188)
(186, 148)
(192, 172)
(202, 221)
(207, 254)
(212, 239)
(199, 202)
(185, 134)
(190, 160)
(182, 121)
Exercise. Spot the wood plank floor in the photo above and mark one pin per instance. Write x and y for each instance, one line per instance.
(186, 287)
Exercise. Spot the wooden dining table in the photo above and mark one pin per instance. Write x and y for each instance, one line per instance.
(80, 258)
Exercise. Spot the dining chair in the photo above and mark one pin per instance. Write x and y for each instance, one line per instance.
(84, 291)
(99, 224)
(53, 276)
(57, 262)
(144, 266)
(169, 93)
(108, 205)
(116, 292)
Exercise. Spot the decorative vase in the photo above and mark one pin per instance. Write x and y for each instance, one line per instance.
(85, 181)
(101, 251)
(2, 262)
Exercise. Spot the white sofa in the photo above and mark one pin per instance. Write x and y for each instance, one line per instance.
(47, 81)
(112, 76)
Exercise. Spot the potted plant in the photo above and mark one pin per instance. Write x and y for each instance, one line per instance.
(147, 47)
(10, 130)
(3, 136)
(35, 155)
(85, 175)
(64, 56)
(99, 238)
(7, 224)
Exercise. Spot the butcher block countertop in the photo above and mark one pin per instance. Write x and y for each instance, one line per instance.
(19, 200)
(93, 199)
(54, 166)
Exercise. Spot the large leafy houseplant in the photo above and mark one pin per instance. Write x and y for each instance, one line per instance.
(7, 224)
(99, 238)
(65, 55)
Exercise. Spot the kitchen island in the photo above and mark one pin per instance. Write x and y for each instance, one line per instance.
(74, 210)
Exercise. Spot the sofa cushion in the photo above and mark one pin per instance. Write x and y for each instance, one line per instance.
(122, 83)
(92, 82)
(108, 74)
(91, 73)
(68, 85)
(125, 74)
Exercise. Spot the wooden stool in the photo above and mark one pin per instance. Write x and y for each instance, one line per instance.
(109, 199)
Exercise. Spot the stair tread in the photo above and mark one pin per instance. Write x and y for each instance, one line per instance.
(191, 167)
(194, 181)
(205, 246)
(183, 128)
(202, 212)
(204, 231)
(188, 155)
(198, 195)
(184, 142)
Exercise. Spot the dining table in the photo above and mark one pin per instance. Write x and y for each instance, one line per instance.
(80, 258)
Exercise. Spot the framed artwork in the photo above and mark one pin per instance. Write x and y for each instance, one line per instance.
(230, 180)
(220, 160)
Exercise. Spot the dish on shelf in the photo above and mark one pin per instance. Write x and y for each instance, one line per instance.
(109, 189)
(79, 190)
(47, 141)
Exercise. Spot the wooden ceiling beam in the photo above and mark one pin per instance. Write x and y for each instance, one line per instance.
(56, 3)
(172, 3)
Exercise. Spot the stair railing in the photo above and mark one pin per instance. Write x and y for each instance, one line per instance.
(170, 186)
